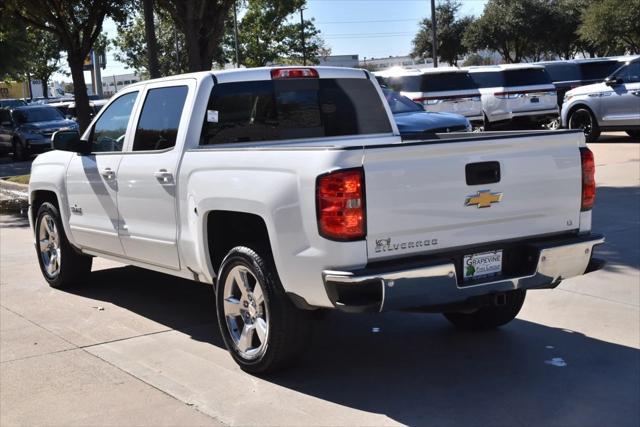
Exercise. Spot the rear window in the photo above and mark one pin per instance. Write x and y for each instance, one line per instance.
(598, 70)
(526, 77)
(400, 104)
(447, 81)
(34, 115)
(271, 110)
(432, 82)
(487, 79)
(563, 71)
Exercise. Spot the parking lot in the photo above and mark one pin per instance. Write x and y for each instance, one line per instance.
(135, 347)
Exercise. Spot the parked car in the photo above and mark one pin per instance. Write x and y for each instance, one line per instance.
(414, 122)
(290, 190)
(439, 90)
(27, 130)
(611, 105)
(515, 92)
(11, 103)
(570, 74)
(68, 108)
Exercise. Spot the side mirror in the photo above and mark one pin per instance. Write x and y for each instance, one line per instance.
(612, 81)
(69, 140)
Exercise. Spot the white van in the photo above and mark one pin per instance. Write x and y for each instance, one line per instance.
(515, 91)
(442, 89)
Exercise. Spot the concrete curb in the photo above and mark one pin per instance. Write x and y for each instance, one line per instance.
(8, 185)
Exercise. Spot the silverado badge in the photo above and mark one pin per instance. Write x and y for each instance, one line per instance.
(483, 199)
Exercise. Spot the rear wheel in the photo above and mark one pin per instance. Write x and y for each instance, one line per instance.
(583, 119)
(490, 317)
(634, 134)
(261, 328)
(61, 265)
(552, 124)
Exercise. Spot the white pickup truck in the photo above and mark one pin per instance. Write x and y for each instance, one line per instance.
(290, 190)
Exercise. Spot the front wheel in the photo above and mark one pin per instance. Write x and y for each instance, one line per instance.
(490, 317)
(260, 326)
(583, 119)
(61, 265)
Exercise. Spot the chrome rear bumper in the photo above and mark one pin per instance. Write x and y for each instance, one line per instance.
(435, 283)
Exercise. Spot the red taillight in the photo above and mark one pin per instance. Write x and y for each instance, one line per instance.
(588, 178)
(340, 204)
(294, 73)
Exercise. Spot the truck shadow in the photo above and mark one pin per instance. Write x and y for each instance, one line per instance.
(415, 368)
(617, 216)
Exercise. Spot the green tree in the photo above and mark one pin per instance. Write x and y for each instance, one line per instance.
(203, 24)
(44, 56)
(13, 48)
(516, 29)
(77, 25)
(476, 59)
(612, 26)
(131, 45)
(450, 31)
(270, 32)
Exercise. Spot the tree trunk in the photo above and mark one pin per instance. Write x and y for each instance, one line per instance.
(44, 81)
(152, 43)
(76, 63)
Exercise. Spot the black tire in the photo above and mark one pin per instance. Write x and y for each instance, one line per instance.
(490, 317)
(288, 327)
(20, 152)
(634, 134)
(73, 267)
(583, 119)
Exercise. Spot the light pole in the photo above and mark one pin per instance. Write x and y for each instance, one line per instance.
(304, 48)
(235, 32)
(434, 37)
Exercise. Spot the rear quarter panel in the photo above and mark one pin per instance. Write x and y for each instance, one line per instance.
(279, 186)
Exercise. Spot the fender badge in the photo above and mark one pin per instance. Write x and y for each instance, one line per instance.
(483, 199)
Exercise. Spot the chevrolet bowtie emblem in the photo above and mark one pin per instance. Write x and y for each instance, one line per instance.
(483, 199)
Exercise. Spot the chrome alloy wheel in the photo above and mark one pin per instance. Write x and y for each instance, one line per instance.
(49, 245)
(245, 312)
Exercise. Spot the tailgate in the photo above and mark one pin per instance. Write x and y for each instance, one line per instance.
(418, 198)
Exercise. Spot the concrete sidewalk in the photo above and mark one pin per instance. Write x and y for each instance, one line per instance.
(139, 348)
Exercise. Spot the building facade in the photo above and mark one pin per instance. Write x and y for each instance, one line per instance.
(112, 84)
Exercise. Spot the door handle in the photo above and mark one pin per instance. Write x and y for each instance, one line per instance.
(108, 173)
(163, 176)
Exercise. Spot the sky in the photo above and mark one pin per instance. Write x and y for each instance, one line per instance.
(369, 28)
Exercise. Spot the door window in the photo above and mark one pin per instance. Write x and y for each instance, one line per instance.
(160, 118)
(109, 131)
(5, 117)
(630, 73)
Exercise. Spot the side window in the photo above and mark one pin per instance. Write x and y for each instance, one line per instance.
(160, 118)
(110, 129)
(5, 116)
(630, 74)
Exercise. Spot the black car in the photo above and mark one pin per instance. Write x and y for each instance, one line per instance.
(27, 130)
(567, 75)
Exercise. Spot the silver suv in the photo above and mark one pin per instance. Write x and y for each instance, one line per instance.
(613, 104)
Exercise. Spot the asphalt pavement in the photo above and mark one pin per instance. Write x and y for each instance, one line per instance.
(139, 348)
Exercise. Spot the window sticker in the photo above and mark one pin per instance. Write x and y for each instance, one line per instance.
(212, 116)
